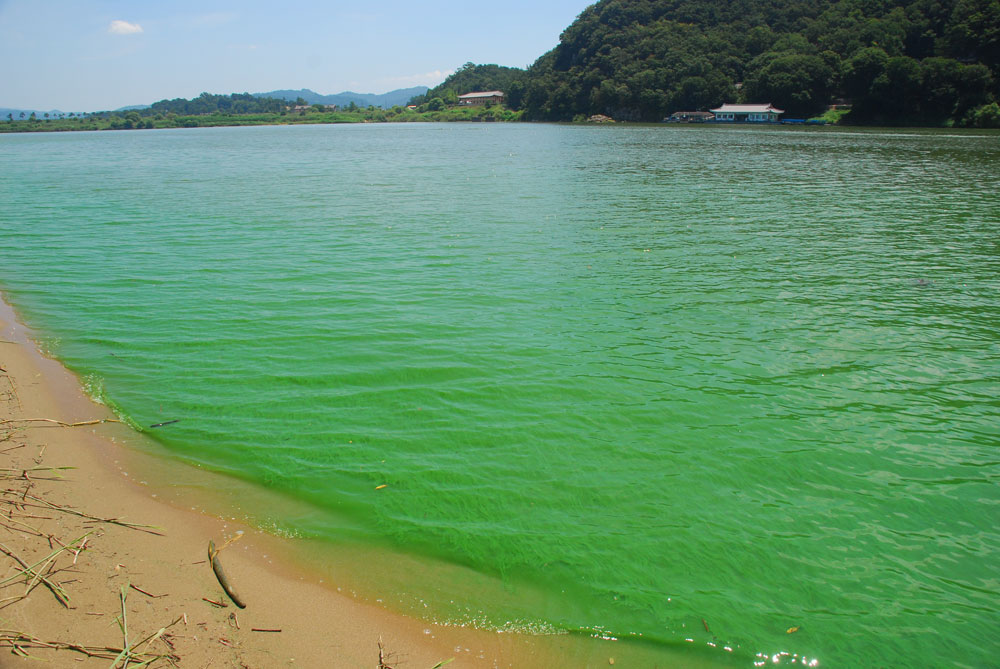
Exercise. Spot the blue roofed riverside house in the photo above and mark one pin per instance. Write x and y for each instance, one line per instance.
(728, 113)
(481, 98)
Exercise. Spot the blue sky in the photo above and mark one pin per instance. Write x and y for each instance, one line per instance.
(90, 55)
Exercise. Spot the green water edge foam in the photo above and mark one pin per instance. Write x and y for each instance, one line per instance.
(397, 567)
(690, 648)
(380, 571)
(690, 645)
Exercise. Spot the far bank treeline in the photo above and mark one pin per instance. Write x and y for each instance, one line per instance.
(240, 109)
(896, 62)
(891, 62)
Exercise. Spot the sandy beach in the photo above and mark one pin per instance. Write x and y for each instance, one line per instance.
(98, 568)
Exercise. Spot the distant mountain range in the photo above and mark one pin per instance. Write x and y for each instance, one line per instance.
(40, 113)
(384, 100)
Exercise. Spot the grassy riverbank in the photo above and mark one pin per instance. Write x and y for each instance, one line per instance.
(133, 120)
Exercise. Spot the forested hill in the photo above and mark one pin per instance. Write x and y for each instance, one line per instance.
(897, 61)
(471, 77)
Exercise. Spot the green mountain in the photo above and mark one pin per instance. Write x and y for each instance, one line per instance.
(209, 103)
(896, 61)
(471, 77)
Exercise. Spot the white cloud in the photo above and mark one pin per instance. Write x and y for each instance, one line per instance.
(119, 27)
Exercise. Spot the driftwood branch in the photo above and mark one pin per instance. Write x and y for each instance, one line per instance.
(213, 557)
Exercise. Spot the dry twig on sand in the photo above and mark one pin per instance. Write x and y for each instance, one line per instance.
(382, 659)
(133, 653)
(138, 655)
(58, 423)
(30, 473)
(41, 503)
(36, 576)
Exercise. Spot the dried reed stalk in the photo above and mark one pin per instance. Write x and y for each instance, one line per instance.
(45, 504)
(59, 423)
(35, 575)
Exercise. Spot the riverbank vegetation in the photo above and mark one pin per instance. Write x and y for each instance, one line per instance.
(884, 62)
(908, 62)
(315, 114)
(890, 62)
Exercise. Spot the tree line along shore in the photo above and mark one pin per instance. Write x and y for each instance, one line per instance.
(239, 109)
(931, 63)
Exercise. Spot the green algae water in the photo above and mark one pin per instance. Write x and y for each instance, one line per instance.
(695, 385)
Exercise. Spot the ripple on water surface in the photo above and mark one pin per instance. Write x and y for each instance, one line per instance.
(720, 386)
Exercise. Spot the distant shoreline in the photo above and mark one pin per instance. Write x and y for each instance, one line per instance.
(455, 115)
(370, 115)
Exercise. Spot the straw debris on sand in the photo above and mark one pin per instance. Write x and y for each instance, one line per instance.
(79, 586)
(76, 557)
(95, 571)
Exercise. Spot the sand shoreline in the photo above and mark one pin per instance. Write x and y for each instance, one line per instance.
(165, 578)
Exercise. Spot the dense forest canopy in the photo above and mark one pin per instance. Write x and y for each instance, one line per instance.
(207, 103)
(895, 61)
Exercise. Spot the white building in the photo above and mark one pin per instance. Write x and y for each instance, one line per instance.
(481, 98)
(748, 113)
